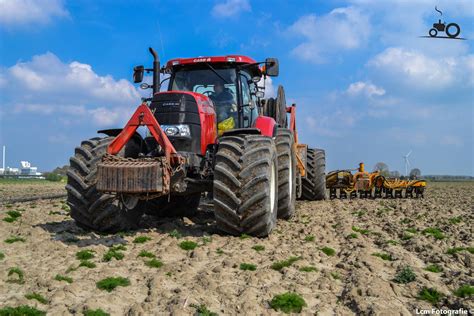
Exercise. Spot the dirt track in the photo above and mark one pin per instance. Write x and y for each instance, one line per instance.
(352, 281)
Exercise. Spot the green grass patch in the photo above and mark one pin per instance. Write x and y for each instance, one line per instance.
(351, 236)
(19, 273)
(435, 232)
(146, 254)
(430, 295)
(188, 245)
(206, 240)
(115, 252)
(411, 230)
(14, 214)
(87, 264)
(464, 291)
(2, 255)
(453, 251)
(248, 267)
(392, 242)
(176, 234)
(258, 248)
(36, 296)
(455, 220)
(95, 312)
(383, 256)
(202, 310)
(361, 230)
(60, 277)
(288, 303)
(405, 275)
(141, 239)
(406, 220)
(407, 236)
(328, 251)
(244, 236)
(9, 219)
(14, 239)
(23, 310)
(109, 284)
(335, 275)
(85, 254)
(308, 269)
(309, 238)
(284, 263)
(219, 251)
(434, 268)
(154, 263)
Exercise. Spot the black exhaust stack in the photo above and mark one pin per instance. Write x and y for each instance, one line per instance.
(156, 71)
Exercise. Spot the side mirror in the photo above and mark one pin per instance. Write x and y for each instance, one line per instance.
(138, 74)
(272, 67)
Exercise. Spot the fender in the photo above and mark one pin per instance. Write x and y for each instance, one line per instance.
(266, 125)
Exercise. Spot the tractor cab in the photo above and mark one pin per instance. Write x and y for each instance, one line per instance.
(230, 82)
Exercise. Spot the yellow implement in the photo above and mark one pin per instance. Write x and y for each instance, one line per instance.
(371, 185)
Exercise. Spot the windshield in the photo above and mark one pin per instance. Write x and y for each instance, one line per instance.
(219, 84)
(205, 80)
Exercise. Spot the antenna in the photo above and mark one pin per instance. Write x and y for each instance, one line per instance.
(407, 162)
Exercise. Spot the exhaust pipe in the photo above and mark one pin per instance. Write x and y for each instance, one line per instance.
(156, 71)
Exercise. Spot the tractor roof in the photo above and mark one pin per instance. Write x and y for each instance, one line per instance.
(238, 59)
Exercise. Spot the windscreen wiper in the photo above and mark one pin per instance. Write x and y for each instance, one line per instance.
(217, 74)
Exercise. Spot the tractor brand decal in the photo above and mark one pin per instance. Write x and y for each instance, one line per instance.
(170, 103)
(452, 30)
(201, 60)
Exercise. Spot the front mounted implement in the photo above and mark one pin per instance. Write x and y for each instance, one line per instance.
(142, 175)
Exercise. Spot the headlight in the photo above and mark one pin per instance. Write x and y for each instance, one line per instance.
(177, 130)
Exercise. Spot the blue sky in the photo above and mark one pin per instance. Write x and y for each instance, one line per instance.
(367, 87)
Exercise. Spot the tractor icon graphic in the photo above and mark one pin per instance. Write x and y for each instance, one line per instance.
(452, 29)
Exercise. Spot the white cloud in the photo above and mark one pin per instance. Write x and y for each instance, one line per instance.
(231, 8)
(270, 90)
(29, 12)
(46, 85)
(342, 29)
(420, 70)
(449, 140)
(364, 88)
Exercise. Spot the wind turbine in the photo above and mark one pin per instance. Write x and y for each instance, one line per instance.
(407, 162)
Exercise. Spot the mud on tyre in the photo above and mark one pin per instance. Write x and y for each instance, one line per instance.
(246, 185)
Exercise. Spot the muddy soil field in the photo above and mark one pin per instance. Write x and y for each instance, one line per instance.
(349, 257)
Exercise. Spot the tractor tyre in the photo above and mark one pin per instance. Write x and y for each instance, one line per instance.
(286, 173)
(314, 184)
(90, 208)
(176, 206)
(280, 108)
(269, 107)
(246, 185)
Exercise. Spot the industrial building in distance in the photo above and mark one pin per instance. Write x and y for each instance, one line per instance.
(25, 170)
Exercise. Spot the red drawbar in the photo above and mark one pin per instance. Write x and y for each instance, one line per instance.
(144, 117)
(266, 125)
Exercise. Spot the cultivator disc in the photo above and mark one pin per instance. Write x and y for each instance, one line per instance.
(343, 184)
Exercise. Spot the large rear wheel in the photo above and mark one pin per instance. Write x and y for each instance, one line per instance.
(90, 208)
(246, 185)
(314, 184)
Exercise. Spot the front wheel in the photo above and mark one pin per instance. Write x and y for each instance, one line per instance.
(246, 185)
(433, 32)
(93, 209)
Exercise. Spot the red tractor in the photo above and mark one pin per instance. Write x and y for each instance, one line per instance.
(211, 132)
